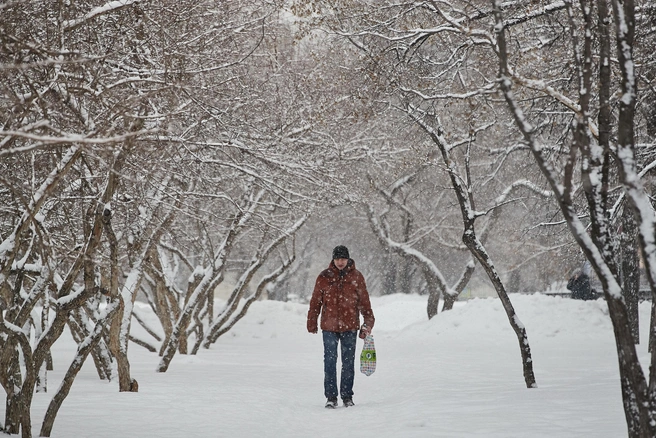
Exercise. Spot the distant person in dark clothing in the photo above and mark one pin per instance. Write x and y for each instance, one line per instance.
(579, 283)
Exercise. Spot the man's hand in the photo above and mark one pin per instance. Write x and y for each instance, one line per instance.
(364, 331)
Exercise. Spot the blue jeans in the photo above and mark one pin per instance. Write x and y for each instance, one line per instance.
(330, 340)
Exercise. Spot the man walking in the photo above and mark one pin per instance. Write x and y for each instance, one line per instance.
(340, 296)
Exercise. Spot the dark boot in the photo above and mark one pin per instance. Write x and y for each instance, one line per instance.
(331, 403)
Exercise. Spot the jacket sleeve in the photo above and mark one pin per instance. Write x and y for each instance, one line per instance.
(365, 305)
(315, 307)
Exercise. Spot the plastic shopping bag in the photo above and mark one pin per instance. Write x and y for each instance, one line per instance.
(368, 356)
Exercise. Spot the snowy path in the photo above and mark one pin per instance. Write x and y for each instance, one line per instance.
(456, 376)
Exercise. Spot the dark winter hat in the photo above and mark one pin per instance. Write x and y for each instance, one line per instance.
(340, 252)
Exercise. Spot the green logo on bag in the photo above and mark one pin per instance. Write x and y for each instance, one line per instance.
(368, 355)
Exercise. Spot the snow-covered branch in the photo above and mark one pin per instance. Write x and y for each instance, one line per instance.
(108, 7)
(67, 138)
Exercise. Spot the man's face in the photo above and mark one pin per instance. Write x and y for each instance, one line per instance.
(340, 263)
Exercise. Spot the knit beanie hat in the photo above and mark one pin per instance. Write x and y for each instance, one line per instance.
(340, 252)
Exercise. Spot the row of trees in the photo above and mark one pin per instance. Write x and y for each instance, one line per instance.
(146, 149)
(567, 76)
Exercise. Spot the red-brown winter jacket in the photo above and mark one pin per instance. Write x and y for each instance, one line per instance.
(340, 300)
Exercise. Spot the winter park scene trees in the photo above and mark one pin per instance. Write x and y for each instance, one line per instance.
(175, 174)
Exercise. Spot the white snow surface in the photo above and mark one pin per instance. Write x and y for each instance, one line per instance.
(458, 375)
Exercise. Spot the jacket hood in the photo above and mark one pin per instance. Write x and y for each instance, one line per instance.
(587, 268)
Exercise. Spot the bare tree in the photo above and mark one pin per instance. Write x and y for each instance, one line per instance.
(104, 110)
(66, 296)
(401, 62)
(591, 141)
(436, 282)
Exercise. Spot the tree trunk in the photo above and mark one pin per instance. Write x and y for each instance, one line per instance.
(183, 335)
(42, 375)
(115, 345)
(433, 295)
(42, 379)
(632, 379)
(450, 299)
(76, 324)
(630, 269)
(161, 299)
(389, 276)
(21, 394)
(182, 342)
(477, 249)
(210, 307)
(12, 414)
(200, 336)
(171, 345)
(122, 363)
(12, 404)
(84, 348)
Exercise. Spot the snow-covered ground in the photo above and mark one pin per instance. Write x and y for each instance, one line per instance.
(458, 375)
